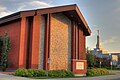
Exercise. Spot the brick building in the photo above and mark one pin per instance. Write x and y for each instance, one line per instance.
(49, 38)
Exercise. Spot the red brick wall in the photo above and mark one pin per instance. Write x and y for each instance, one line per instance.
(81, 50)
(82, 53)
(84, 47)
(13, 30)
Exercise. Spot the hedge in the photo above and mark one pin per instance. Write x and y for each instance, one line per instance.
(43, 73)
(21, 72)
(60, 73)
(97, 72)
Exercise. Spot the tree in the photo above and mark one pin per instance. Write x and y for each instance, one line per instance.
(90, 58)
(5, 50)
(97, 60)
(1, 44)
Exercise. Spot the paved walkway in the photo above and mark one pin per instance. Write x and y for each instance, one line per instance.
(115, 76)
(11, 77)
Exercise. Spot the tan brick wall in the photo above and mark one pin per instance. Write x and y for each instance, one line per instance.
(42, 32)
(60, 42)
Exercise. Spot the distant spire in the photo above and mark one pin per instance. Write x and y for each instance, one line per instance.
(98, 40)
(98, 45)
(98, 33)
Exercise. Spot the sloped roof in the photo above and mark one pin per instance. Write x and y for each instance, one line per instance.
(72, 11)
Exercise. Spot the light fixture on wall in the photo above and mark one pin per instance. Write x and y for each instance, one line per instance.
(71, 15)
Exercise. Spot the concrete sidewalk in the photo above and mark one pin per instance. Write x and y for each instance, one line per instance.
(11, 77)
(115, 76)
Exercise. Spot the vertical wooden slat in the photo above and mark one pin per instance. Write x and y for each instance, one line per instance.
(73, 46)
(29, 44)
(35, 42)
(50, 15)
(73, 55)
(79, 49)
(23, 43)
(47, 42)
(77, 41)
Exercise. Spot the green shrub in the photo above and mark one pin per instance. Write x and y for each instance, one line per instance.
(56, 73)
(42, 73)
(39, 73)
(70, 74)
(60, 73)
(30, 73)
(97, 72)
(21, 72)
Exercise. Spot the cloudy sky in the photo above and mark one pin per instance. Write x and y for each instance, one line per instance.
(103, 15)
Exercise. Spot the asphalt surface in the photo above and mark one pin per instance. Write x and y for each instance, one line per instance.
(114, 76)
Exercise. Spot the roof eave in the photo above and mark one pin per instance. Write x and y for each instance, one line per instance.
(56, 9)
(9, 17)
(46, 11)
(83, 20)
(27, 13)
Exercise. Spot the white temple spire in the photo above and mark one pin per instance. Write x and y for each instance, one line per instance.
(98, 40)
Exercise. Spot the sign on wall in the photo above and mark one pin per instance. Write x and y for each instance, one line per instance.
(80, 65)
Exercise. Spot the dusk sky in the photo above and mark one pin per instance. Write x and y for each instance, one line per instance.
(103, 15)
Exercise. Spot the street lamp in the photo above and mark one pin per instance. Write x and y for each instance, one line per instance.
(111, 64)
(100, 60)
(100, 63)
